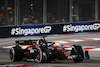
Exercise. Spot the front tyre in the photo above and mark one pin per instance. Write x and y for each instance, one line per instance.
(16, 54)
(77, 54)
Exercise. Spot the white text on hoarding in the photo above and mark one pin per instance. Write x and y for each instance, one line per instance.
(32, 31)
(81, 28)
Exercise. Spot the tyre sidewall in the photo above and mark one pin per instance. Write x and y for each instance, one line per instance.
(17, 54)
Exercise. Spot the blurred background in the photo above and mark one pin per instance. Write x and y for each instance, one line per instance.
(47, 12)
(30, 12)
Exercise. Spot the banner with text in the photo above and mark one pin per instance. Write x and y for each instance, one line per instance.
(37, 30)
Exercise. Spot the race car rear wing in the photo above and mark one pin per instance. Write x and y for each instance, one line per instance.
(25, 42)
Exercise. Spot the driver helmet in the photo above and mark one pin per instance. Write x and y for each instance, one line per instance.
(42, 41)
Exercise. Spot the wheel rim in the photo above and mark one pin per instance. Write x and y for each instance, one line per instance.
(39, 55)
(11, 54)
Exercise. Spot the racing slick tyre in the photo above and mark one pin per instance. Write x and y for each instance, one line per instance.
(45, 55)
(38, 58)
(16, 54)
(42, 56)
(77, 54)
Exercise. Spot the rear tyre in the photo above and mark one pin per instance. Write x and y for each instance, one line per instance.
(77, 54)
(45, 55)
(42, 55)
(16, 54)
(38, 58)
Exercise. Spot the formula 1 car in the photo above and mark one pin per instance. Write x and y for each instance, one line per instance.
(44, 51)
